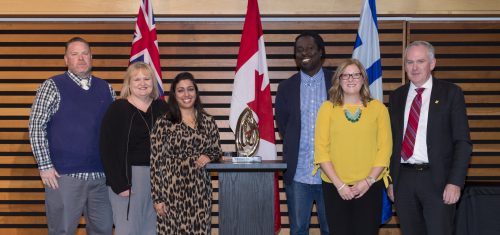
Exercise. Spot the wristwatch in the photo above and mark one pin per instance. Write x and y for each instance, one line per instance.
(370, 180)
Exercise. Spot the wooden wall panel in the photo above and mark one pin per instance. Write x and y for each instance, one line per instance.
(32, 52)
(238, 7)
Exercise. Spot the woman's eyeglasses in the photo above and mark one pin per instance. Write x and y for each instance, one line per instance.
(346, 76)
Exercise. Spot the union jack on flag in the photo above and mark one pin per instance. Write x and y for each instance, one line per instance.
(145, 43)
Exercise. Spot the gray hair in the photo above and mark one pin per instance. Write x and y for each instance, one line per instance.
(427, 45)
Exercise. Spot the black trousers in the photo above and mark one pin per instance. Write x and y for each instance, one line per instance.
(419, 204)
(353, 217)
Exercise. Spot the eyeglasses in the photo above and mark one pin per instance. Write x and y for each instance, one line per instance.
(346, 76)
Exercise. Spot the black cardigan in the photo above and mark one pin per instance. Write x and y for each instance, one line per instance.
(115, 130)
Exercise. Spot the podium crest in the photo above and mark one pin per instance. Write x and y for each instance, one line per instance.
(247, 137)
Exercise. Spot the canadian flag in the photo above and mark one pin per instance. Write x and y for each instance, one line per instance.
(252, 89)
(251, 83)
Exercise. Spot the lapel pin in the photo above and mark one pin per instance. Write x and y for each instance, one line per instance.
(436, 102)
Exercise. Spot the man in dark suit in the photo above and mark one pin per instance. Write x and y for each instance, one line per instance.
(297, 102)
(432, 146)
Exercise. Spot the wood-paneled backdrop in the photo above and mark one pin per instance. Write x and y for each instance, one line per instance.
(30, 52)
(120, 8)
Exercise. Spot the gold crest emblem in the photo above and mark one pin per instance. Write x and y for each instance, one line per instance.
(247, 134)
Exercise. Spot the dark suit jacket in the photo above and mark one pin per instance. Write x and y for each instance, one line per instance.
(448, 141)
(287, 109)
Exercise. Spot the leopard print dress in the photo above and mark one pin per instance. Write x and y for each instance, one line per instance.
(185, 190)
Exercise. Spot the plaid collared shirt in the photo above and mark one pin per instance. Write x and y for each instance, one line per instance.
(45, 106)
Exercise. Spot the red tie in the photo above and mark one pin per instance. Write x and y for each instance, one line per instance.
(412, 126)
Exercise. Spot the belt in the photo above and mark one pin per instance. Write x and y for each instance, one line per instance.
(418, 167)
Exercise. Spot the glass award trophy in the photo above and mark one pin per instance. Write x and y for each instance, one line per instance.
(247, 138)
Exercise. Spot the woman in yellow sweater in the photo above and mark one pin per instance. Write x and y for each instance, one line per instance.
(353, 145)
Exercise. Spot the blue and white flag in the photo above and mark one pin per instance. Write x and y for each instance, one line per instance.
(367, 48)
(367, 51)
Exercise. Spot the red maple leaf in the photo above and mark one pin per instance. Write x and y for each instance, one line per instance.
(262, 106)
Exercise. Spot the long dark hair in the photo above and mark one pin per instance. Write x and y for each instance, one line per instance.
(175, 112)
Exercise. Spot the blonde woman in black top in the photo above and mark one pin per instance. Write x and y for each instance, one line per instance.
(125, 151)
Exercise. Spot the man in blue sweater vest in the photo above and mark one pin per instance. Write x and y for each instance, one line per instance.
(64, 132)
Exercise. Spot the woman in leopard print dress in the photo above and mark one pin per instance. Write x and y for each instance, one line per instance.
(182, 143)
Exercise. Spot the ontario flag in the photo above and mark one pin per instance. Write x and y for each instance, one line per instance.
(252, 89)
(145, 43)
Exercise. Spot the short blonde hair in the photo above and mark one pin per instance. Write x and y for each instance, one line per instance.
(131, 71)
(337, 94)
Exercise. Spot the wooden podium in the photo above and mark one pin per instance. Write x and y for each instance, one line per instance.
(246, 196)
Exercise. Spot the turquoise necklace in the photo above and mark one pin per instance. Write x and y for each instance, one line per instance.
(352, 117)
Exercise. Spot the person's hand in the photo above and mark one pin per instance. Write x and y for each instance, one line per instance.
(360, 188)
(451, 194)
(160, 208)
(390, 192)
(49, 178)
(202, 161)
(346, 193)
(125, 193)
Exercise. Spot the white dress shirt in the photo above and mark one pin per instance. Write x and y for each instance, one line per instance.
(420, 149)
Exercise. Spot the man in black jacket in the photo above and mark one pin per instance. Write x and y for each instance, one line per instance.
(432, 146)
(297, 102)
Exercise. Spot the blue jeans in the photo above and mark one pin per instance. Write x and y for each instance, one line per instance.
(300, 198)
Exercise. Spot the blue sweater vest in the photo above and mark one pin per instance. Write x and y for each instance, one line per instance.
(73, 131)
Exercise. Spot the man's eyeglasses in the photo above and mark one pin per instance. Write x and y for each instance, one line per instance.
(355, 76)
